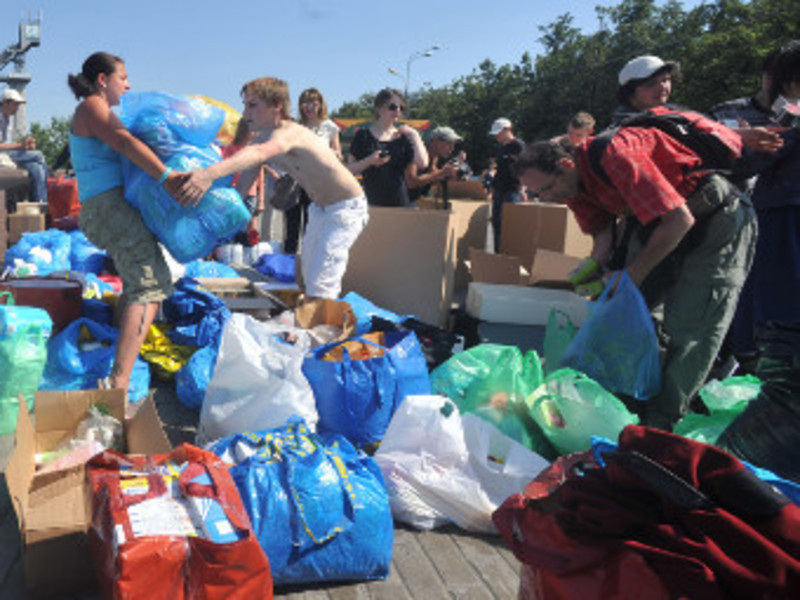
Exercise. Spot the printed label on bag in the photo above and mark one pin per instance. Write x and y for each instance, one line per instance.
(161, 516)
(134, 487)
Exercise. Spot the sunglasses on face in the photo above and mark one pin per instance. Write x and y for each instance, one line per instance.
(396, 107)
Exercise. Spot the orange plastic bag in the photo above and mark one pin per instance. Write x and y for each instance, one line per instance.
(173, 527)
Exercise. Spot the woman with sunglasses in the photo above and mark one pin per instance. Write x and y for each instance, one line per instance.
(382, 151)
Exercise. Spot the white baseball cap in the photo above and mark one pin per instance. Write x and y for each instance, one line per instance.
(642, 67)
(499, 125)
(13, 95)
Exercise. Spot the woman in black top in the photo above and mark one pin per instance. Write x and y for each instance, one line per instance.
(382, 151)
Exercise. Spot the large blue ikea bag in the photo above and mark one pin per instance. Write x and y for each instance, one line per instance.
(356, 397)
(617, 345)
(318, 507)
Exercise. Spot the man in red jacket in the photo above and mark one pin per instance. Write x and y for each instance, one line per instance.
(690, 238)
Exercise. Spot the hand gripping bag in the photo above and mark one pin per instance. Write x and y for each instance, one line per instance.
(258, 382)
(359, 383)
(318, 506)
(617, 345)
(172, 527)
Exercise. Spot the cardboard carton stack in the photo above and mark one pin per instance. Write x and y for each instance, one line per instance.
(29, 216)
(540, 244)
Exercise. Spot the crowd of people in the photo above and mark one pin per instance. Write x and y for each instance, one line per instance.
(688, 236)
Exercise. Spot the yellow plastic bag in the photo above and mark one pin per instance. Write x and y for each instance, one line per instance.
(163, 354)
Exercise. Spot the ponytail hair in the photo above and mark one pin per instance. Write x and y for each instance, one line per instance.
(84, 84)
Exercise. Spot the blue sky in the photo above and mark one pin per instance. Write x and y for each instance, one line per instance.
(211, 47)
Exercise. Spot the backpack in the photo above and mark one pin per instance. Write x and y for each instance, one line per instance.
(711, 141)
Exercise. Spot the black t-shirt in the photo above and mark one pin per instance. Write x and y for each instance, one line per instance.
(384, 185)
(415, 193)
(504, 180)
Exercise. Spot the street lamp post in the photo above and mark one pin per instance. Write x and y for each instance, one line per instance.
(428, 52)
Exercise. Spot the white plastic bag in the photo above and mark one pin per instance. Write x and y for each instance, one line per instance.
(437, 467)
(258, 382)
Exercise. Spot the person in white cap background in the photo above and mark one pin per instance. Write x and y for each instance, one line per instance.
(644, 82)
(441, 168)
(23, 154)
(505, 185)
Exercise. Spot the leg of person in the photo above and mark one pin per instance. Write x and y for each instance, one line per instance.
(33, 162)
(114, 225)
(699, 307)
(330, 233)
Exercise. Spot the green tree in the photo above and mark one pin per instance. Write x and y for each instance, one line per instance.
(53, 139)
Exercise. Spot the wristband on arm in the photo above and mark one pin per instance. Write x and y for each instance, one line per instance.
(164, 175)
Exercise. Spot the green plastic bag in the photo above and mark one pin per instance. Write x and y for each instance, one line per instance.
(492, 382)
(24, 331)
(557, 335)
(725, 401)
(570, 408)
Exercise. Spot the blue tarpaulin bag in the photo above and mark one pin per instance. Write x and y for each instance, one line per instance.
(318, 507)
(617, 345)
(357, 397)
(47, 250)
(76, 365)
(364, 310)
(84, 256)
(192, 379)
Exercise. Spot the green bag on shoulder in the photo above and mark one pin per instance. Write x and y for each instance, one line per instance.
(24, 331)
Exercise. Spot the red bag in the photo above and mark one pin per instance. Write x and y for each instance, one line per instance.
(63, 205)
(144, 543)
(701, 522)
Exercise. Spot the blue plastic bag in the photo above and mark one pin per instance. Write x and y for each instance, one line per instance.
(47, 250)
(209, 268)
(181, 130)
(74, 365)
(617, 345)
(85, 256)
(357, 398)
(192, 379)
(281, 267)
(197, 316)
(318, 507)
(364, 310)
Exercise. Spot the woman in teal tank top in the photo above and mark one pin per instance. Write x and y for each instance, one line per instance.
(98, 139)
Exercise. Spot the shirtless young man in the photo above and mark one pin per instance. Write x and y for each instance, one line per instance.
(338, 211)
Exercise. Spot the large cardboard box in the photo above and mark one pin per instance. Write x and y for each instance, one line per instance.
(531, 225)
(404, 261)
(469, 220)
(54, 509)
(23, 223)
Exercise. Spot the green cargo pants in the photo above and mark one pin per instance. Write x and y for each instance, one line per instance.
(693, 315)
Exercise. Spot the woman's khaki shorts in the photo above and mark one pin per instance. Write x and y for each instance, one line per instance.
(114, 225)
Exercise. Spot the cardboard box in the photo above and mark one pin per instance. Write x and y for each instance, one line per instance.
(469, 220)
(466, 190)
(54, 509)
(404, 261)
(23, 223)
(531, 225)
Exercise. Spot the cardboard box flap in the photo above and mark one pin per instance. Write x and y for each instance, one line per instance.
(322, 311)
(58, 413)
(551, 269)
(486, 267)
(144, 431)
(21, 464)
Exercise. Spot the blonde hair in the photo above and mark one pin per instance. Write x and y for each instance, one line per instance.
(271, 90)
(312, 94)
